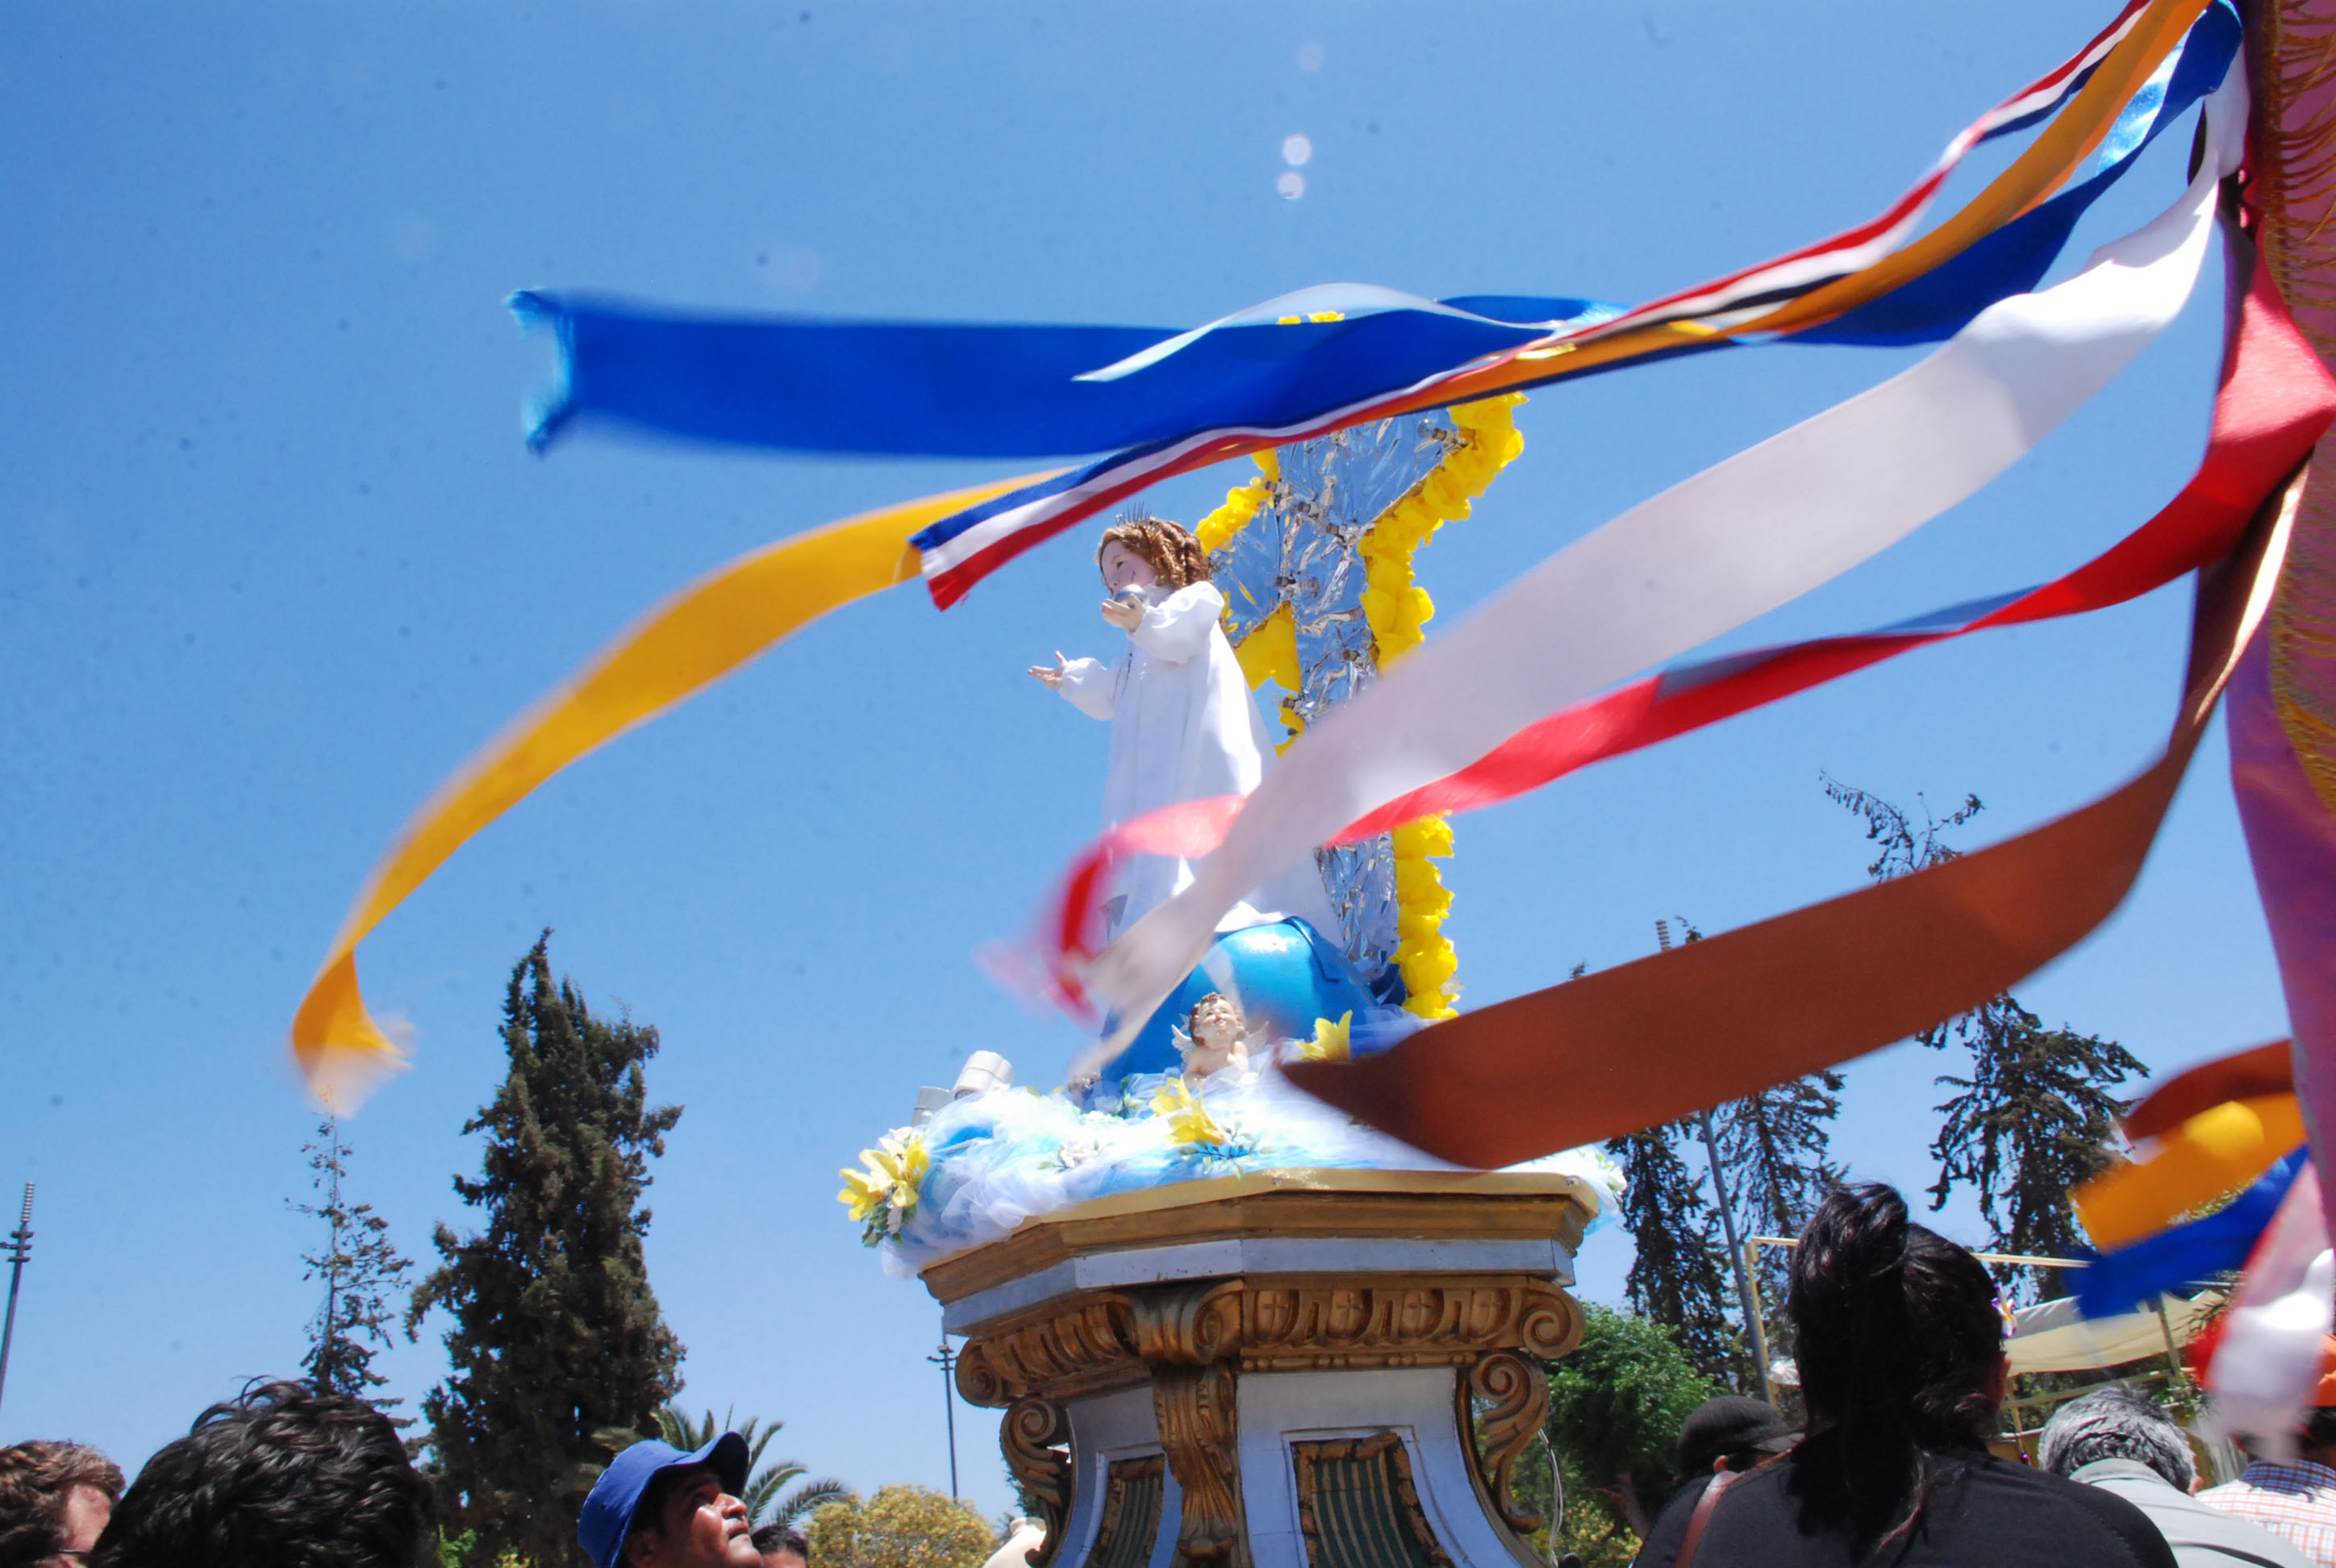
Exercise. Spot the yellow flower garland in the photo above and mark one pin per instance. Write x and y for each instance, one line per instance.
(1397, 609)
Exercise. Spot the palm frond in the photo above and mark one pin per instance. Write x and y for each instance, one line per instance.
(808, 1498)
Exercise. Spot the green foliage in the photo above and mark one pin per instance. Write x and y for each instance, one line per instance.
(360, 1268)
(454, 1550)
(2035, 1119)
(765, 1481)
(1616, 1406)
(1678, 1275)
(1773, 1147)
(557, 1351)
(901, 1527)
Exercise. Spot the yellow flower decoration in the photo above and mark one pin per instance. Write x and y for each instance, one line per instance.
(1398, 609)
(882, 1193)
(1329, 1041)
(1188, 1122)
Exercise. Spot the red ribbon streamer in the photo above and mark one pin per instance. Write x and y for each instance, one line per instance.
(2274, 402)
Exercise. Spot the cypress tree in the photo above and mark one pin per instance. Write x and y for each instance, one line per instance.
(2034, 1119)
(1677, 1278)
(556, 1338)
(360, 1270)
(2036, 1113)
(1773, 1145)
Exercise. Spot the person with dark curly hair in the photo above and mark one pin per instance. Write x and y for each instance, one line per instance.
(1900, 1343)
(54, 1499)
(283, 1476)
(782, 1547)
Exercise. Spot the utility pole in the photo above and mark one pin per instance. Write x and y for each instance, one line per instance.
(947, 1363)
(1754, 1329)
(18, 1251)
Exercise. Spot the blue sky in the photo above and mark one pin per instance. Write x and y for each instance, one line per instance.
(273, 560)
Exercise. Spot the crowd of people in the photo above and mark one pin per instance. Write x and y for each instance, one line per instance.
(1899, 1339)
(1899, 1336)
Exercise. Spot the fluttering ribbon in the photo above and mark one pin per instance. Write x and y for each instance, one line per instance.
(2185, 1254)
(1739, 539)
(2275, 401)
(1717, 1020)
(2242, 1076)
(690, 641)
(2273, 1344)
(2217, 1151)
(1283, 370)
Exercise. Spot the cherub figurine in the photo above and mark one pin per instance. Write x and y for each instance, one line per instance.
(1216, 1038)
(1184, 726)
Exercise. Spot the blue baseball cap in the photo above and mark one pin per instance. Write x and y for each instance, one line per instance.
(608, 1516)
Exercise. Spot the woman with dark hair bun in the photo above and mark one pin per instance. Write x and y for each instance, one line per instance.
(1900, 1345)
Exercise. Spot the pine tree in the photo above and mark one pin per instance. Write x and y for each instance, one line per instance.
(556, 1338)
(2036, 1113)
(1677, 1278)
(1773, 1146)
(360, 1268)
(2034, 1119)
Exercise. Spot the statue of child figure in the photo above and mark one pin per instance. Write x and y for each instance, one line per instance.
(1216, 1039)
(1184, 726)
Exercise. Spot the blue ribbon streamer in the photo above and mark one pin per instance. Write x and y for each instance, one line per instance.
(2123, 1279)
(953, 389)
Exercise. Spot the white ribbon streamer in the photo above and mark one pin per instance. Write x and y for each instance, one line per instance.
(2274, 1341)
(1723, 548)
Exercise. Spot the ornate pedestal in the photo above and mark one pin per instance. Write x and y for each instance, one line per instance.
(1278, 1370)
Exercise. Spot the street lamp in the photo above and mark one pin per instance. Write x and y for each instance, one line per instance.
(18, 1251)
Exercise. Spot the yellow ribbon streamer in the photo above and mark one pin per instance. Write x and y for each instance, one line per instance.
(686, 644)
(2216, 1151)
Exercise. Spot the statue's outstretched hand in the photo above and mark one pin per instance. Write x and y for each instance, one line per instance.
(1051, 679)
(1126, 614)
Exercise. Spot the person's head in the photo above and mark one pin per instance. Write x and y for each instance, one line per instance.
(656, 1507)
(782, 1547)
(1142, 550)
(1898, 1337)
(54, 1499)
(282, 1476)
(1219, 1035)
(2115, 1423)
(1731, 1433)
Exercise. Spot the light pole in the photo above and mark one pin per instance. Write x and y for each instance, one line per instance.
(946, 1361)
(19, 1251)
(1754, 1329)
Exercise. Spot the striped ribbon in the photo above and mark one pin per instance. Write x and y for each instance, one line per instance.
(1720, 549)
(2275, 400)
(1717, 1019)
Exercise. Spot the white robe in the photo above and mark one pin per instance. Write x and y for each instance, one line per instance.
(1184, 726)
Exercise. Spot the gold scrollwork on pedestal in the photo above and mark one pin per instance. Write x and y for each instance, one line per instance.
(1075, 1347)
(1402, 1322)
(1201, 1434)
(1028, 1435)
(1517, 1392)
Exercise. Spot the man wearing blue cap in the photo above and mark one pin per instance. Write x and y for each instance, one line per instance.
(657, 1507)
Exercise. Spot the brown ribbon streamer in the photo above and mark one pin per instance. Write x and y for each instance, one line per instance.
(2247, 1074)
(1726, 1017)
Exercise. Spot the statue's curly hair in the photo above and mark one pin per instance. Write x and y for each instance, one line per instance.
(1172, 549)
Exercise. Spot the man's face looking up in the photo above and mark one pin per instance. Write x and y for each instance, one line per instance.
(699, 1526)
